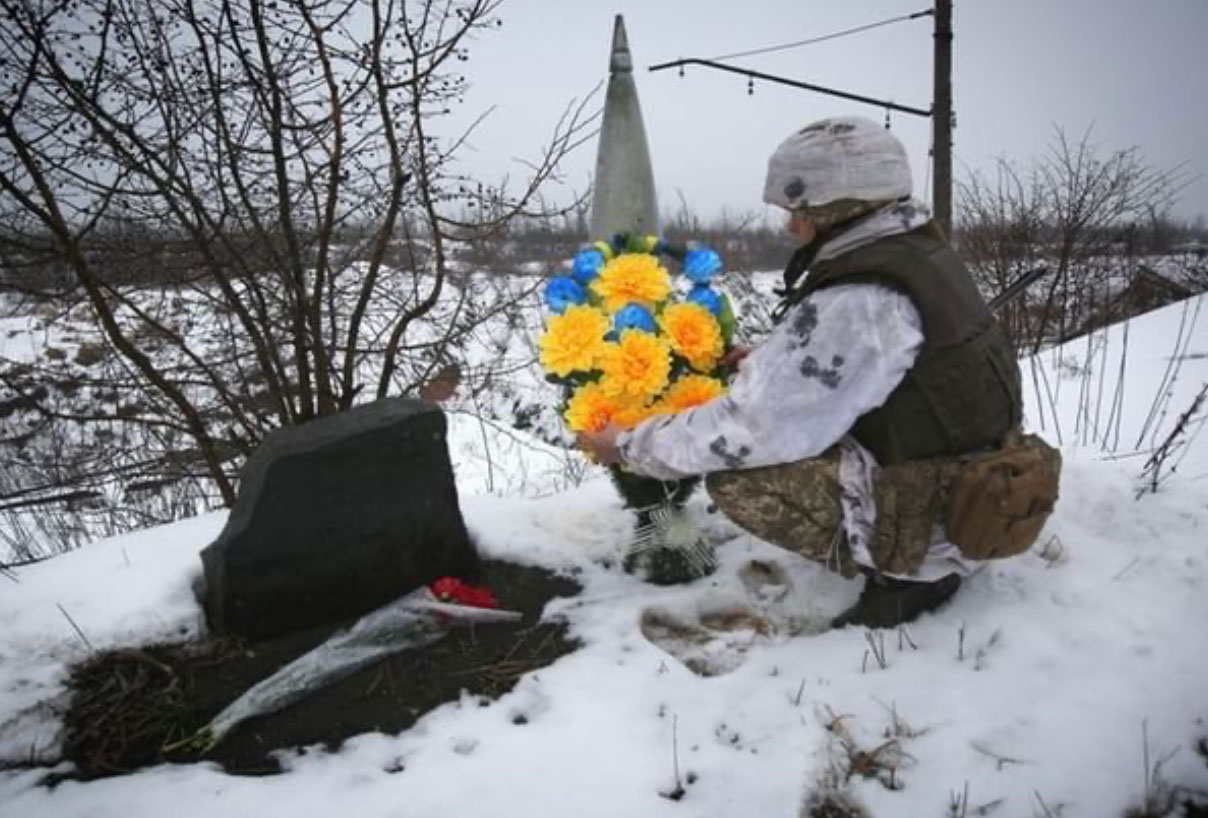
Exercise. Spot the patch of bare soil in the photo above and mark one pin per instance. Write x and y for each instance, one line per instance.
(130, 707)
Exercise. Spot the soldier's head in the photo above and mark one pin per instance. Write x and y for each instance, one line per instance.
(835, 170)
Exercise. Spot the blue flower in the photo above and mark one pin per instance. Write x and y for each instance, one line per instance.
(563, 292)
(701, 264)
(706, 297)
(587, 265)
(633, 316)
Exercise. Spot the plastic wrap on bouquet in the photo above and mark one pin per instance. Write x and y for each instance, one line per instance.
(668, 546)
(413, 621)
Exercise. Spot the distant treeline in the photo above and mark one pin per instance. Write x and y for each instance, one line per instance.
(132, 255)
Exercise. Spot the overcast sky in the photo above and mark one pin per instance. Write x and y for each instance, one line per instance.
(1134, 70)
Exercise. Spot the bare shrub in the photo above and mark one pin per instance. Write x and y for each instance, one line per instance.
(282, 173)
(1077, 210)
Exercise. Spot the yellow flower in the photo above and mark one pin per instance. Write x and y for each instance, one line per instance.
(694, 334)
(691, 391)
(636, 367)
(632, 277)
(589, 409)
(631, 415)
(574, 340)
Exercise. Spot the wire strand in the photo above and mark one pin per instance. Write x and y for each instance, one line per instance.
(825, 37)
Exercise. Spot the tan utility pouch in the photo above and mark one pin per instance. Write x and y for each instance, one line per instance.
(1001, 500)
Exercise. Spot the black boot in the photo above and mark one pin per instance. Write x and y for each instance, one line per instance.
(887, 602)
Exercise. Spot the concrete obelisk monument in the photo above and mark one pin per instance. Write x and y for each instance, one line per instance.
(624, 200)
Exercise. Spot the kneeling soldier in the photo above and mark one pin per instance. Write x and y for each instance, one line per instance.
(875, 429)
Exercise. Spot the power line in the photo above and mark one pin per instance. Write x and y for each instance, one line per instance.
(824, 37)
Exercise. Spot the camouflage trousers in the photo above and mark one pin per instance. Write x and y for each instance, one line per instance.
(799, 506)
(793, 505)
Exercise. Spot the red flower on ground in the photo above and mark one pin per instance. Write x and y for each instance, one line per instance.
(451, 589)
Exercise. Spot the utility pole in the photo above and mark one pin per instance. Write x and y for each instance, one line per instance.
(941, 158)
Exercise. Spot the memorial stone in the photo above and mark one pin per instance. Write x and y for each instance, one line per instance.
(336, 517)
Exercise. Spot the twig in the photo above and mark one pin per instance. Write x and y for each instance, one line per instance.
(1101, 438)
(1048, 391)
(675, 749)
(1082, 422)
(958, 804)
(1157, 791)
(876, 644)
(1157, 409)
(76, 627)
(1153, 466)
(1145, 755)
(898, 727)
(1036, 391)
(869, 764)
(989, 806)
(1117, 411)
(1049, 813)
(678, 791)
(979, 659)
(486, 443)
(1126, 569)
(1000, 760)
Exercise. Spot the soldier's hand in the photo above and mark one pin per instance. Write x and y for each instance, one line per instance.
(735, 357)
(602, 445)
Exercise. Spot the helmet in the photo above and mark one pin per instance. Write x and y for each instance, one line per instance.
(846, 157)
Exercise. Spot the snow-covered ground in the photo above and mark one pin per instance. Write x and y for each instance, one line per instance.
(1033, 689)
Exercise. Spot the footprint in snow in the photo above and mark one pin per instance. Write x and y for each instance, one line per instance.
(714, 639)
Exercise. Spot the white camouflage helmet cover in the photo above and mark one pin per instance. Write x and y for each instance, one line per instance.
(846, 157)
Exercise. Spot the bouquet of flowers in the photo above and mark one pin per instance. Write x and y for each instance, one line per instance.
(628, 341)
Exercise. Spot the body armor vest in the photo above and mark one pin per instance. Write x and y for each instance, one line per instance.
(963, 392)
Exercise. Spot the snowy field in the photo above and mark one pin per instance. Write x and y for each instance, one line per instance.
(1044, 688)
